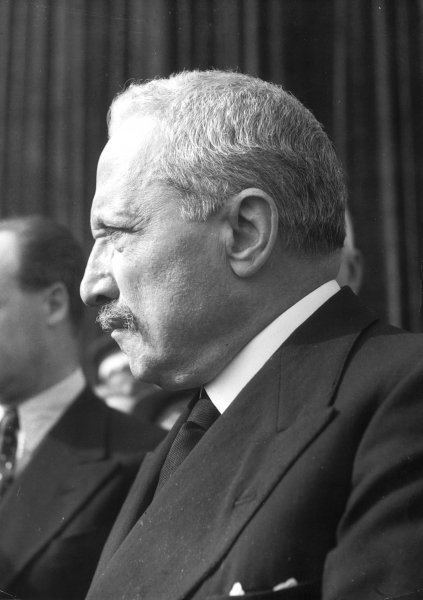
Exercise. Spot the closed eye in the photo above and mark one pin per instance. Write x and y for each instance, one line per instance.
(115, 234)
(106, 231)
(116, 237)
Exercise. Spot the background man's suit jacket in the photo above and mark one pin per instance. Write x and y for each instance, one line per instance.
(314, 472)
(55, 518)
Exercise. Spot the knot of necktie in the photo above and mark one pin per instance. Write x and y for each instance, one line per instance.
(203, 414)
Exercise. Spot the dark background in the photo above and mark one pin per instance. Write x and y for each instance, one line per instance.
(358, 65)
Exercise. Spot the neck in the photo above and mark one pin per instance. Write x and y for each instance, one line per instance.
(248, 317)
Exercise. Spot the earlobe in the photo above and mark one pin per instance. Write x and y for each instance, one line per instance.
(253, 228)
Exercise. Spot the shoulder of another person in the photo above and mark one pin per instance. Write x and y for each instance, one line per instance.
(390, 345)
(129, 435)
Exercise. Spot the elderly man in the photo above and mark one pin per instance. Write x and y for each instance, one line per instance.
(66, 460)
(297, 471)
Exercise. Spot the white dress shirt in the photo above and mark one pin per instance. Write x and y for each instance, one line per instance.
(38, 414)
(224, 388)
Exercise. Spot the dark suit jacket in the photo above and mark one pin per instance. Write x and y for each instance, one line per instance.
(314, 472)
(153, 406)
(55, 518)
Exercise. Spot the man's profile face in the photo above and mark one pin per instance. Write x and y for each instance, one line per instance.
(169, 273)
(21, 325)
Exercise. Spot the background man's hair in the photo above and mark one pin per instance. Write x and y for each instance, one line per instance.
(48, 254)
(220, 132)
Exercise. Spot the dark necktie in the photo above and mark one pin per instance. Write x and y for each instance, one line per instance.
(201, 417)
(9, 426)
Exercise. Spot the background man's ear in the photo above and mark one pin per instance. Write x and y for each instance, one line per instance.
(351, 269)
(56, 303)
(252, 217)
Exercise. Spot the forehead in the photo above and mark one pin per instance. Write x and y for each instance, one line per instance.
(120, 169)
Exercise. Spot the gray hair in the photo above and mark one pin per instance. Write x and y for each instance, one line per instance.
(222, 132)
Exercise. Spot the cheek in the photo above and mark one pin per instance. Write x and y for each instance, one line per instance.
(14, 348)
(151, 279)
(164, 282)
(13, 323)
(128, 273)
(20, 330)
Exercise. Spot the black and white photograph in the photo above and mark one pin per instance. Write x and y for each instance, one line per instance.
(211, 299)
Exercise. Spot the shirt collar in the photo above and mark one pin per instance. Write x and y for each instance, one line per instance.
(38, 414)
(224, 388)
(52, 401)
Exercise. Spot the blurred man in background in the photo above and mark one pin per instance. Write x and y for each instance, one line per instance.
(113, 381)
(66, 460)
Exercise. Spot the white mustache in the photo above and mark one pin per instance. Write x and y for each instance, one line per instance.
(114, 316)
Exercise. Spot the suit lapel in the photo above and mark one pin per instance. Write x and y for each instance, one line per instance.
(313, 358)
(193, 521)
(62, 474)
(141, 493)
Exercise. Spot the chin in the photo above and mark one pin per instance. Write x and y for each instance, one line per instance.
(154, 374)
(137, 370)
(140, 368)
(158, 368)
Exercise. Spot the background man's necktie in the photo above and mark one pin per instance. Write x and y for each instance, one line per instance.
(202, 416)
(9, 426)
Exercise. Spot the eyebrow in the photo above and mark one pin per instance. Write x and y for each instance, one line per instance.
(118, 221)
(103, 224)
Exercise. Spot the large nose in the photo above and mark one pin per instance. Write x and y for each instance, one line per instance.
(98, 285)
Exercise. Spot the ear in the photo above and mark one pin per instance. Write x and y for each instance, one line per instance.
(351, 269)
(356, 271)
(56, 303)
(252, 220)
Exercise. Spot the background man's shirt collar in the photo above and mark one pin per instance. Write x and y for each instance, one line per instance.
(228, 384)
(38, 414)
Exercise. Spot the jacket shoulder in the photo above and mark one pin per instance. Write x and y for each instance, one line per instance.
(90, 422)
(388, 344)
(129, 435)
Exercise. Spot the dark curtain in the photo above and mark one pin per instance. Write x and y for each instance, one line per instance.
(357, 65)
(377, 119)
